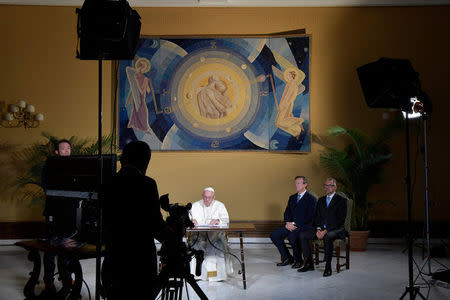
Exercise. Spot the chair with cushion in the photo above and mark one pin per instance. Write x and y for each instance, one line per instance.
(338, 243)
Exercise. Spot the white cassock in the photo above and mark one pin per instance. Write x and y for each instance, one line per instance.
(217, 264)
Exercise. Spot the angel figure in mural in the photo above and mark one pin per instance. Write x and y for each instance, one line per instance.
(212, 101)
(293, 78)
(140, 87)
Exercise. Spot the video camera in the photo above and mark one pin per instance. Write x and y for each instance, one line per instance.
(175, 254)
(178, 219)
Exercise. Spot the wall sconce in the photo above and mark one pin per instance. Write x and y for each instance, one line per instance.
(20, 115)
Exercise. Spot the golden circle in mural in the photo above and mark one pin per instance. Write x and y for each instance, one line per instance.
(220, 95)
(218, 90)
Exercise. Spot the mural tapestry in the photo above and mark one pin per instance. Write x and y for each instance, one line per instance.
(235, 93)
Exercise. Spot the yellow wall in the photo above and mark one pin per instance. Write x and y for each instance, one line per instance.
(37, 59)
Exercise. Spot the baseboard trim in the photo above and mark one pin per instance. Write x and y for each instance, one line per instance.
(378, 229)
(22, 230)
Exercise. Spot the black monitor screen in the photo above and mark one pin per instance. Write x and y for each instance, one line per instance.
(77, 173)
(70, 183)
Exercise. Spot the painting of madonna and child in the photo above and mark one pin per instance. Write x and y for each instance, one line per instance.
(194, 94)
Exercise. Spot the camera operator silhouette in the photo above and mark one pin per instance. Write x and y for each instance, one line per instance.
(132, 219)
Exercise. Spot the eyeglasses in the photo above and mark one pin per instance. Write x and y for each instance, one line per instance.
(329, 185)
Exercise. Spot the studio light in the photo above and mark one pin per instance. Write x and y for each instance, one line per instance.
(393, 83)
(416, 108)
(107, 30)
(420, 107)
(389, 83)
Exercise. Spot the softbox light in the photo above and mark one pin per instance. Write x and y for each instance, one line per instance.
(389, 83)
(108, 30)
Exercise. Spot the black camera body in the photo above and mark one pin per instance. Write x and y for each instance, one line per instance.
(175, 254)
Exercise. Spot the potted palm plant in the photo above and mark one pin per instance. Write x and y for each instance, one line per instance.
(357, 167)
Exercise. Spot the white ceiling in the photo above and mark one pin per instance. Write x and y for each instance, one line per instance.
(242, 3)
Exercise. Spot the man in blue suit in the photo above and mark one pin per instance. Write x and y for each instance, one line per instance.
(298, 217)
(328, 224)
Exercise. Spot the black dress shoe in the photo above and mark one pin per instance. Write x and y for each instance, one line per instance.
(309, 266)
(297, 265)
(327, 272)
(285, 262)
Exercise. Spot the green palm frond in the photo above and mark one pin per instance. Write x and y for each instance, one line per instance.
(93, 148)
(358, 166)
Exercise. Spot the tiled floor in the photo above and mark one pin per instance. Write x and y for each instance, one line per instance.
(381, 272)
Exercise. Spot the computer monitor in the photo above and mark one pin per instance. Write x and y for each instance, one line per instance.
(71, 186)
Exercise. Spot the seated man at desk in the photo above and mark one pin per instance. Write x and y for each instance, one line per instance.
(210, 212)
(59, 222)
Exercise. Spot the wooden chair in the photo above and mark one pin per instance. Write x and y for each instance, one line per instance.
(338, 243)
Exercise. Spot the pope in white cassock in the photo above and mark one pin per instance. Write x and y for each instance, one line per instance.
(210, 212)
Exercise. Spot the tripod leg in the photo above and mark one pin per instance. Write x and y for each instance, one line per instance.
(172, 289)
(197, 289)
(404, 294)
(415, 291)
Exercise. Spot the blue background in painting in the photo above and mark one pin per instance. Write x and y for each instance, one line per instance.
(261, 134)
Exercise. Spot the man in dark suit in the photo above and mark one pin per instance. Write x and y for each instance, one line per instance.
(297, 218)
(132, 219)
(329, 225)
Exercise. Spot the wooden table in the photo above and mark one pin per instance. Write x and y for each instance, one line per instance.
(239, 228)
(72, 251)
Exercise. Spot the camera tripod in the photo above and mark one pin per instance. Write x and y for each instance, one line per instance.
(176, 271)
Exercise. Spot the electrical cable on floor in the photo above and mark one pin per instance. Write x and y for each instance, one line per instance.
(221, 250)
(88, 290)
(224, 252)
(85, 283)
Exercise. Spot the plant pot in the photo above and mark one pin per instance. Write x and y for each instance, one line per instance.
(358, 240)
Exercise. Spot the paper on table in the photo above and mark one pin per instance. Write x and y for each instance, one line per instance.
(212, 226)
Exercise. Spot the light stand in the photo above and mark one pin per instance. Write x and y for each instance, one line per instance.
(107, 29)
(427, 203)
(98, 259)
(393, 83)
(428, 258)
(412, 290)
